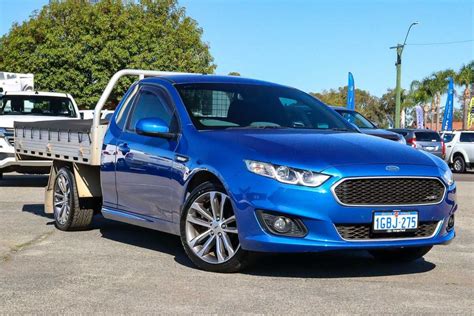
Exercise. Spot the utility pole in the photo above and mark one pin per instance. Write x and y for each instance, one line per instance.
(398, 64)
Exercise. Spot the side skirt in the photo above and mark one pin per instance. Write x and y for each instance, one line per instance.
(140, 220)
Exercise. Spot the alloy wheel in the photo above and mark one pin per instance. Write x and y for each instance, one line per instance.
(457, 165)
(211, 228)
(62, 197)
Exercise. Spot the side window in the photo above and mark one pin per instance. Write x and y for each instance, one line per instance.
(122, 115)
(467, 137)
(152, 102)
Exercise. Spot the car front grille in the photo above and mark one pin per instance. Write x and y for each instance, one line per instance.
(10, 136)
(389, 191)
(364, 232)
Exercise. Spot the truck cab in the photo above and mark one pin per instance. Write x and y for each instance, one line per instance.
(29, 106)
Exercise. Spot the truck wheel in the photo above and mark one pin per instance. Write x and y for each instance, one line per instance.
(400, 254)
(67, 212)
(459, 165)
(209, 231)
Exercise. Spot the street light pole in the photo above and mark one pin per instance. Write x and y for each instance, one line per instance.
(398, 64)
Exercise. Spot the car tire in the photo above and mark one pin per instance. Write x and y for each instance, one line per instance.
(201, 241)
(459, 165)
(68, 215)
(400, 254)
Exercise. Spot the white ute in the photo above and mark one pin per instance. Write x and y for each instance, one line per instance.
(29, 106)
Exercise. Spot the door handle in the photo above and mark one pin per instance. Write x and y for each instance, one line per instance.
(123, 148)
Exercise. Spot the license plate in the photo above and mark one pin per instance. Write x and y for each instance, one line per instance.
(430, 148)
(395, 221)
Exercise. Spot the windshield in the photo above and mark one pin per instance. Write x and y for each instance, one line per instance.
(356, 118)
(36, 105)
(230, 105)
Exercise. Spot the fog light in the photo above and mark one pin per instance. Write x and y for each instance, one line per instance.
(282, 225)
(450, 225)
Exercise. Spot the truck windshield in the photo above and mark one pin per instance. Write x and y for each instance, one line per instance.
(230, 105)
(36, 105)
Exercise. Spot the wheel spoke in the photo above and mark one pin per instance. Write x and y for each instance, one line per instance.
(196, 240)
(61, 212)
(220, 250)
(214, 205)
(61, 184)
(206, 247)
(228, 244)
(230, 230)
(197, 221)
(198, 207)
(229, 220)
(222, 205)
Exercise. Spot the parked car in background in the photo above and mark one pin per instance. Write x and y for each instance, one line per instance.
(89, 114)
(11, 82)
(29, 107)
(236, 166)
(366, 126)
(459, 149)
(424, 139)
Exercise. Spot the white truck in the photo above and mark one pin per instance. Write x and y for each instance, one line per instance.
(29, 106)
(11, 82)
(459, 149)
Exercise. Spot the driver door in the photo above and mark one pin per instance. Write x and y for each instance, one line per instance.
(144, 162)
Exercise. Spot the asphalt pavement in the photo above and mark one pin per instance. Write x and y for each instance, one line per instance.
(118, 268)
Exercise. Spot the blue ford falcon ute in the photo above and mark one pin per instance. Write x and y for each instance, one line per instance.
(236, 166)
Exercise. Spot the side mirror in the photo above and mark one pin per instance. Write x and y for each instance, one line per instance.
(154, 127)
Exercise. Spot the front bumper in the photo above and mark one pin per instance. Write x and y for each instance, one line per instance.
(9, 162)
(318, 209)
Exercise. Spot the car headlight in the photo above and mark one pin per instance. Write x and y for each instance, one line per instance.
(2, 132)
(448, 177)
(286, 174)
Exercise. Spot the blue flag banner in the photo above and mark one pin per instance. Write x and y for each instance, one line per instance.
(449, 108)
(419, 117)
(351, 93)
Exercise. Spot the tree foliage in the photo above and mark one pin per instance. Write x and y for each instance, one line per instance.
(370, 106)
(75, 47)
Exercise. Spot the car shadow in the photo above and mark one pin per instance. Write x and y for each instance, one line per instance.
(336, 264)
(20, 180)
(142, 237)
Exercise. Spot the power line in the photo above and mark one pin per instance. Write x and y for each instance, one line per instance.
(441, 43)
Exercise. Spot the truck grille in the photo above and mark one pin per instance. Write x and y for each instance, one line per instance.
(364, 232)
(10, 136)
(389, 191)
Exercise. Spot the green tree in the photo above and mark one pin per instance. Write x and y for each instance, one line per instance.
(75, 47)
(234, 73)
(366, 103)
(465, 77)
(420, 95)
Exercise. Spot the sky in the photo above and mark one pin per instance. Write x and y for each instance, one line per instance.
(312, 45)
